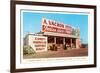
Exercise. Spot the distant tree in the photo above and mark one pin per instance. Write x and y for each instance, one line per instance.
(76, 32)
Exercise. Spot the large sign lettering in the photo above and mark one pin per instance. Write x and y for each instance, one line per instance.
(38, 43)
(56, 27)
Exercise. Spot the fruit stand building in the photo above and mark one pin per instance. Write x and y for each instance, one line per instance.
(56, 34)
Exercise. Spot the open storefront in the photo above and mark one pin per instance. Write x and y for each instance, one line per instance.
(58, 36)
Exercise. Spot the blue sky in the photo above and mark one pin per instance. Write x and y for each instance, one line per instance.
(32, 22)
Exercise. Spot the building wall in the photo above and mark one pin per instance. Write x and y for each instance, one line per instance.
(32, 42)
(78, 43)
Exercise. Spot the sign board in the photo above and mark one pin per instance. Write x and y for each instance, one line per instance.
(38, 43)
(56, 27)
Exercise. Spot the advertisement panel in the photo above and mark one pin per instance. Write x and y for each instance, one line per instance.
(38, 43)
(56, 27)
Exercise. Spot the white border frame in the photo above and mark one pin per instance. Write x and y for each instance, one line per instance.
(55, 62)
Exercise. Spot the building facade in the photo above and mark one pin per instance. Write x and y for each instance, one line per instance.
(57, 35)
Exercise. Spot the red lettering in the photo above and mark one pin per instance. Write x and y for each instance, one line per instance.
(56, 27)
(39, 38)
(60, 25)
(44, 21)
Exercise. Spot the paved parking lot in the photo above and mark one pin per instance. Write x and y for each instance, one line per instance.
(60, 53)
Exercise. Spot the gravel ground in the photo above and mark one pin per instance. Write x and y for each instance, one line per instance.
(60, 53)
